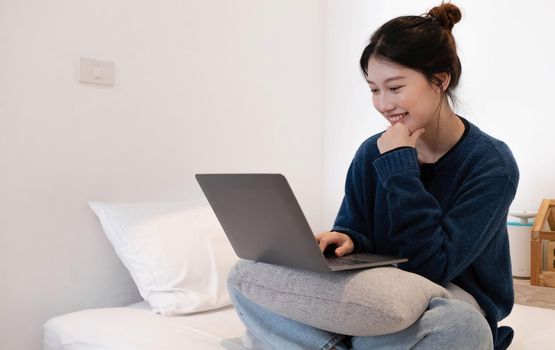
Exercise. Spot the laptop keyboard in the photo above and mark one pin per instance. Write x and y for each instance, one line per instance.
(335, 261)
(355, 259)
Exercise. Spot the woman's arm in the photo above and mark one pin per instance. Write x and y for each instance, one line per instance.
(351, 218)
(440, 245)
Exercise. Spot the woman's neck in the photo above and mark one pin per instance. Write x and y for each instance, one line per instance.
(441, 135)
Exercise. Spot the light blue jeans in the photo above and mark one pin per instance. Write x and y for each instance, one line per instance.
(446, 324)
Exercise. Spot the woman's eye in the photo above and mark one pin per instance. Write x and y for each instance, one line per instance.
(374, 90)
(395, 88)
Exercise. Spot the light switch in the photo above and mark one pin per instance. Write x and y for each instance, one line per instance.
(94, 71)
(97, 71)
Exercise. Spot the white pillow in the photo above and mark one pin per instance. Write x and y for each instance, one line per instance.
(177, 254)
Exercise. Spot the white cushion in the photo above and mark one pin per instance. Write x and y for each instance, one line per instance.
(177, 253)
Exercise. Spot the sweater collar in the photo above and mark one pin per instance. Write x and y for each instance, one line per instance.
(460, 148)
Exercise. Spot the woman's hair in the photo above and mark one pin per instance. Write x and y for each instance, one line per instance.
(423, 43)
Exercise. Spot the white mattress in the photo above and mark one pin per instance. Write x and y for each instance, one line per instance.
(136, 327)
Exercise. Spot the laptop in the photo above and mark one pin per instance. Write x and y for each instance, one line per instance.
(264, 222)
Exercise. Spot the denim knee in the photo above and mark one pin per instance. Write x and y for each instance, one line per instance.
(233, 272)
(460, 324)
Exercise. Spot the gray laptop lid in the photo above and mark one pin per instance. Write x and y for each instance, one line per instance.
(262, 219)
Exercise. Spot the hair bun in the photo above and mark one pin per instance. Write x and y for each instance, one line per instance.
(446, 14)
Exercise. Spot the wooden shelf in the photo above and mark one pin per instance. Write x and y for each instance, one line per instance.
(547, 279)
(542, 230)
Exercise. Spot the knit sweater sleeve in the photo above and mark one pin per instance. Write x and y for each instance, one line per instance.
(438, 244)
(351, 219)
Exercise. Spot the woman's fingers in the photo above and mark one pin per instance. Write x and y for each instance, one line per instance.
(322, 244)
(346, 247)
(415, 135)
(344, 242)
(326, 239)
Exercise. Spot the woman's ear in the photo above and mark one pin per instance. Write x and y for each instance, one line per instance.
(443, 80)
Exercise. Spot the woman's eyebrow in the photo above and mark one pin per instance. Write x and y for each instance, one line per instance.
(388, 79)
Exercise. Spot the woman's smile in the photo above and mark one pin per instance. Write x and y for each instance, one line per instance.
(397, 117)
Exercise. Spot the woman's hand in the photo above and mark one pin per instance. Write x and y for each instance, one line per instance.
(398, 135)
(344, 243)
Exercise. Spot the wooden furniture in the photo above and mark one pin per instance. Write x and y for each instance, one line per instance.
(543, 229)
(550, 263)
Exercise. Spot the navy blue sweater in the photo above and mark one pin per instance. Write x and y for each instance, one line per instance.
(448, 218)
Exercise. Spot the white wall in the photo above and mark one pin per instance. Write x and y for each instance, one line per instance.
(507, 54)
(201, 86)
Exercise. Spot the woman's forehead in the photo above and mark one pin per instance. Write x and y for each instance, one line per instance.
(382, 71)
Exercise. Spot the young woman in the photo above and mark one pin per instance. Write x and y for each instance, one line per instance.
(433, 188)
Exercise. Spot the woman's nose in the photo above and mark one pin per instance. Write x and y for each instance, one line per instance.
(384, 104)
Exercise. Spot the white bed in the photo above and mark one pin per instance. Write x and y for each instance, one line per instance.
(136, 327)
(178, 278)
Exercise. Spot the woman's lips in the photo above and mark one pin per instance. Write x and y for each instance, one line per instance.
(398, 117)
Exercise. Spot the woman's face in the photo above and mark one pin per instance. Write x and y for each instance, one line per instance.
(402, 95)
